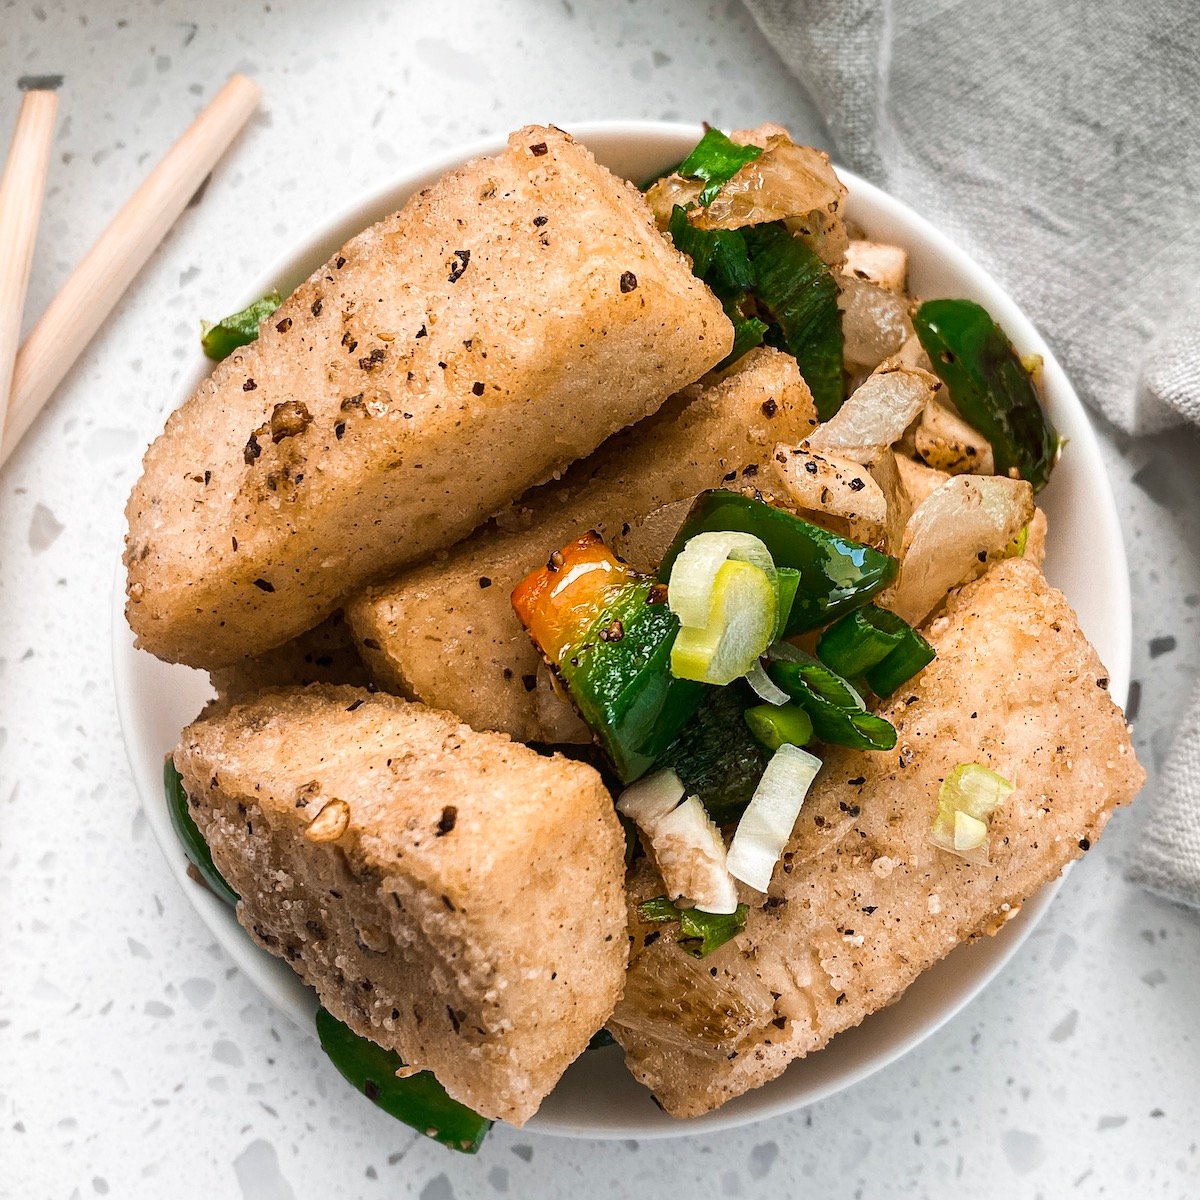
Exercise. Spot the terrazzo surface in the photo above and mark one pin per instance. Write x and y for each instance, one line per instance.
(135, 1061)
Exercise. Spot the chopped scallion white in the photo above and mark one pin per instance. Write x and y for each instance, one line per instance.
(694, 573)
(764, 687)
(767, 823)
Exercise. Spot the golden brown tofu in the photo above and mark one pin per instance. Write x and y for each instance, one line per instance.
(862, 903)
(498, 327)
(451, 895)
(445, 632)
(324, 654)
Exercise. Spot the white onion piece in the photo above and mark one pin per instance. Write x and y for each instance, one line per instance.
(694, 572)
(877, 413)
(650, 799)
(962, 526)
(690, 855)
(764, 687)
(767, 823)
(875, 322)
(879, 263)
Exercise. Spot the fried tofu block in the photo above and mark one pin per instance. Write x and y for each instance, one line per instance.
(498, 327)
(452, 895)
(324, 654)
(445, 632)
(878, 263)
(862, 903)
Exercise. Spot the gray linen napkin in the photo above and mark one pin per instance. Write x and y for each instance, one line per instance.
(1058, 141)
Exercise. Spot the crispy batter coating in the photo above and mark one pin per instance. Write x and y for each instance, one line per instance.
(498, 327)
(451, 895)
(862, 903)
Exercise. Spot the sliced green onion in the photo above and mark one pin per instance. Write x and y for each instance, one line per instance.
(968, 797)
(856, 643)
(877, 644)
(694, 573)
(742, 615)
(700, 933)
(787, 584)
(764, 687)
(238, 329)
(786, 725)
(767, 823)
(837, 711)
(716, 160)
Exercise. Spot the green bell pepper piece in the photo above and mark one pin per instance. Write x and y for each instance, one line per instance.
(419, 1100)
(238, 329)
(188, 832)
(623, 687)
(990, 386)
(836, 574)
(700, 933)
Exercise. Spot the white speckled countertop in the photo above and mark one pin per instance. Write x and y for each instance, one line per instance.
(134, 1060)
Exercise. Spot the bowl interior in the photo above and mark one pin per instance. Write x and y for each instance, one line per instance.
(1085, 557)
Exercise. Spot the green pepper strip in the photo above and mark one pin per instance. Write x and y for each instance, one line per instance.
(990, 386)
(716, 160)
(837, 716)
(715, 756)
(787, 584)
(624, 689)
(836, 574)
(239, 328)
(776, 725)
(700, 933)
(194, 846)
(419, 1100)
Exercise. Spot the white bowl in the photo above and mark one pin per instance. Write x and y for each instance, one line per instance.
(1086, 558)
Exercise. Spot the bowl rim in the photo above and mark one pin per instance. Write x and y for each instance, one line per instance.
(776, 1097)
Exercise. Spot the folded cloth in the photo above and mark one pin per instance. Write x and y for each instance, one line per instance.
(1059, 143)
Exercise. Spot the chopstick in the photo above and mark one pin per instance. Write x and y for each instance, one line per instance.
(22, 191)
(94, 287)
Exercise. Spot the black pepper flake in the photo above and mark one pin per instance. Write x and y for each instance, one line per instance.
(507, 672)
(657, 594)
(264, 585)
(252, 450)
(455, 1019)
(284, 325)
(540, 221)
(628, 281)
(613, 632)
(555, 561)
(316, 307)
(355, 705)
(234, 541)
(769, 408)
(484, 581)
(750, 469)
(373, 359)
(810, 467)
(422, 332)
(341, 262)
(208, 480)
(530, 682)
(1085, 843)
(538, 149)
(463, 257)
(249, 385)
(339, 430)
(1102, 682)
(349, 341)
(869, 908)
(448, 820)
(841, 999)
(477, 389)
(982, 556)
(730, 476)
(371, 1090)
(856, 485)
(857, 781)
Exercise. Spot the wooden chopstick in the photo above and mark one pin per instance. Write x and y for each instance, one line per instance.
(94, 287)
(22, 191)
